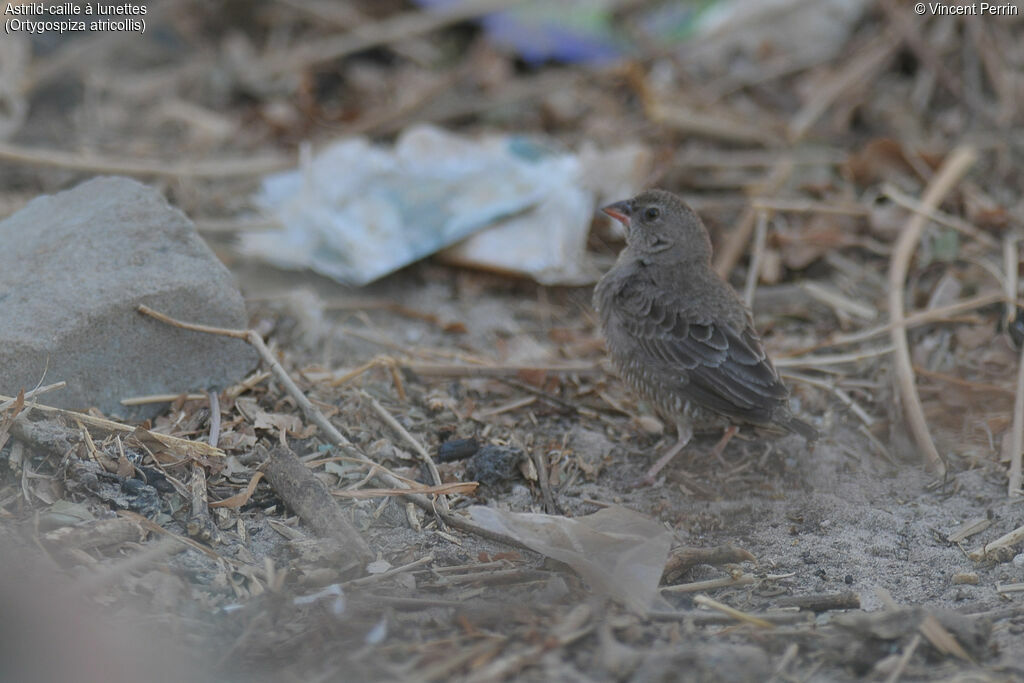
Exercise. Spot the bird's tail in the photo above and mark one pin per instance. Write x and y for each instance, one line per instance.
(800, 427)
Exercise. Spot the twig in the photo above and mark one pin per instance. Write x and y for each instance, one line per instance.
(192, 448)
(731, 611)
(1009, 587)
(514, 404)
(682, 559)
(964, 383)
(160, 398)
(309, 497)
(1011, 262)
(788, 656)
(331, 433)
(451, 488)
(544, 481)
(968, 529)
(952, 169)
(719, 158)
(453, 370)
(920, 318)
(823, 602)
(904, 659)
(831, 359)
(829, 296)
(1016, 435)
(214, 418)
(738, 239)
(390, 421)
(375, 578)
(704, 618)
(1004, 541)
(710, 584)
(200, 525)
(224, 168)
(830, 386)
(710, 124)
(456, 370)
(960, 225)
(32, 394)
(807, 206)
(754, 269)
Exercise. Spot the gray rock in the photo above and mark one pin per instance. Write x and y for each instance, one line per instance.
(73, 268)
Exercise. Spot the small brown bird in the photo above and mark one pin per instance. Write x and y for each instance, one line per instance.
(679, 335)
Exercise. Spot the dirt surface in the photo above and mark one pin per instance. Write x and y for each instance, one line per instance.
(847, 559)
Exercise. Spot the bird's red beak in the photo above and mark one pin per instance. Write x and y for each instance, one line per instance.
(620, 211)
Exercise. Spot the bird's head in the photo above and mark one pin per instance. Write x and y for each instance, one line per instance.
(659, 222)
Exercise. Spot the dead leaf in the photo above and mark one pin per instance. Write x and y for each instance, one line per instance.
(239, 499)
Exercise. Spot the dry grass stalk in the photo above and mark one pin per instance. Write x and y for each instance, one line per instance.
(736, 243)
(904, 659)
(952, 169)
(919, 318)
(8, 402)
(968, 529)
(707, 124)
(808, 206)
(1013, 443)
(1005, 541)
(731, 611)
(159, 398)
(178, 445)
(94, 163)
(394, 571)
(754, 271)
(787, 657)
(831, 359)
(453, 488)
(1009, 587)
(830, 296)
(710, 584)
(391, 422)
(960, 225)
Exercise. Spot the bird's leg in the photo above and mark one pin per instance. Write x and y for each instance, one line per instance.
(685, 433)
(732, 431)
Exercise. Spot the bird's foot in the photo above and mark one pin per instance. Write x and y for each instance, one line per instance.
(651, 475)
(719, 447)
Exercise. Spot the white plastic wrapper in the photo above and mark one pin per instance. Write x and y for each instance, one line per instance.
(358, 211)
(620, 553)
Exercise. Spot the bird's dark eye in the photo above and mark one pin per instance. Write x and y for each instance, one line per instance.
(652, 213)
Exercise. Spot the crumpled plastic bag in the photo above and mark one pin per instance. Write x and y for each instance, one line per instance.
(359, 211)
(618, 552)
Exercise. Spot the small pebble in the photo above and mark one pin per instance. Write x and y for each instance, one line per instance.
(961, 578)
(492, 465)
(457, 449)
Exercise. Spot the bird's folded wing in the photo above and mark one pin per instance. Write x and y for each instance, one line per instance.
(711, 363)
